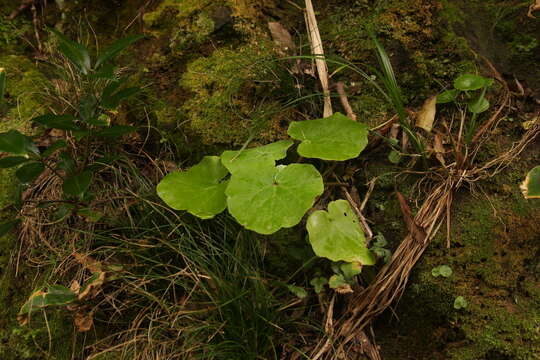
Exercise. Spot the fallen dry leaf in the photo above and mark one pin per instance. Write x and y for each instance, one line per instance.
(426, 115)
(535, 6)
(282, 37)
(438, 148)
(93, 285)
(83, 321)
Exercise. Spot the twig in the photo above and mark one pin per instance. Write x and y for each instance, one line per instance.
(318, 51)
(340, 86)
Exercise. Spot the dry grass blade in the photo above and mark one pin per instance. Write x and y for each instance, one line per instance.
(318, 51)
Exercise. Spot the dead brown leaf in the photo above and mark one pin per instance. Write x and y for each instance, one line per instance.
(282, 38)
(416, 231)
(88, 262)
(92, 286)
(438, 148)
(535, 6)
(83, 321)
(426, 115)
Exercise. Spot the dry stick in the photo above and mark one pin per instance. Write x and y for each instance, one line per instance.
(340, 86)
(318, 51)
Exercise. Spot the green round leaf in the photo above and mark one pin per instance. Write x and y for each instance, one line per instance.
(394, 157)
(16, 143)
(77, 185)
(266, 198)
(235, 161)
(531, 186)
(29, 172)
(298, 291)
(334, 138)
(442, 270)
(337, 235)
(447, 96)
(12, 161)
(471, 82)
(479, 105)
(199, 190)
(460, 303)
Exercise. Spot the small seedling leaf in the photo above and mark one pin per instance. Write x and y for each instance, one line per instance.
(298, 291)
(460, 303)
(29, 172)
(12, 161)
(318, 283)
(468, 82)
(199, 190)
(333, 138)
(531, 185)
(394, 157)
(442, 270)
(337, 235)
(447, 96)
(478, 105)
(235, 161)
(77, 185)
(266, 198)
(338, 283)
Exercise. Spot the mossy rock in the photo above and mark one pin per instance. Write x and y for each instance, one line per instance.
(229, 89)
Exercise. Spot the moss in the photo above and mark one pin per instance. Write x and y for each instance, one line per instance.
(225, 86)
(24, 84)
(425, 52)
(493, 257)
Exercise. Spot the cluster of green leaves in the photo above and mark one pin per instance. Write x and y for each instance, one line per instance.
(469, 90)
(265, 197)
(90, 123)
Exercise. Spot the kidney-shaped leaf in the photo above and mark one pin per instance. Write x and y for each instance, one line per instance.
(235, 161)
(337, 235)
(479, 105)
(266, 198)
(334, 138)
(471, 82)
(199, 190)
(531, 186)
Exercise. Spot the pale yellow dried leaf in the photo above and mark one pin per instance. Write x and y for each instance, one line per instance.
(426, 115)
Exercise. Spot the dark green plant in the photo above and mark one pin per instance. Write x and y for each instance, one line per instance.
(87, 127)
(469, 91)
